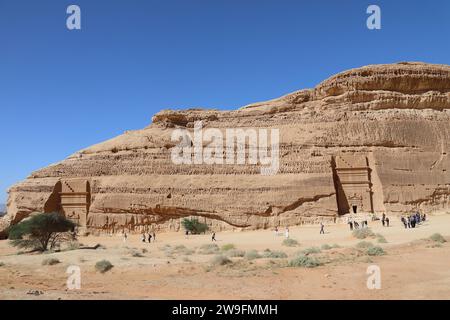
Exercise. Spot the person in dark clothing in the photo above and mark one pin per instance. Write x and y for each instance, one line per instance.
(387, 222)
(143, 237)
(154, 237)
(351, 225)
(383, 219)
(409, 222)
(356, 225)
(322, 231)
(213, 237)
(149, 238)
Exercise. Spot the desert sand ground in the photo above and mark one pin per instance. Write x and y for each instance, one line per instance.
(413, 267)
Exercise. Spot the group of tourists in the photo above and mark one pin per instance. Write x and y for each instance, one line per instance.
(414, 219)
(149, 237)
(278, 233)
(385, 220)
(356, 225)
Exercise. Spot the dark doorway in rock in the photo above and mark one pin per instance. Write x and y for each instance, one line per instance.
(355, 208)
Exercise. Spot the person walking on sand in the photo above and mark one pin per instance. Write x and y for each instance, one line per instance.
(149, 238)
(186, 234)
(286, 232)
(143, 237)
(387, 221)
(383, 219)
(124, 236)
(350, 223)
(404, 222)
(154, 236)
(322, 226)
(213, 237)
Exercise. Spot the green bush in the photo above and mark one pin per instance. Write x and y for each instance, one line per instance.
(41, 231)
(103, 266)
(234, 253)
(375, 251)
(311, 250)
(381, 238)
(252, 254)
(274, 254)
(326, 247)
(289, 242)
(210, 248)
(437, 237)
(335, 245)
(220, 260)
(194, 226)
(363, 233)
(50, 261)
(364, 244)
(2, 264)
(304, 262)
(227, 247)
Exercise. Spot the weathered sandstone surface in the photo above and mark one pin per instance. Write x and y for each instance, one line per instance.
(371, 139)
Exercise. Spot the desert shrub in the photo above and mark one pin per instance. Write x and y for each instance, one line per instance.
(304, 262)
(228, 246)
(437, 237)
(274, 254)
(41, 231)
(375, 251)
(144, 250)
(364, 244)
(289, 242)
(2, 264)
(50, 261)
(234, 253)
(210, 248)
(326, 247)
(311, 250)
(363, 233)
(194, 226)
(103, 266)
(137, 254)
(335, 245)
(73, 245)
(220, 260)
(381, 238)
(252, 254)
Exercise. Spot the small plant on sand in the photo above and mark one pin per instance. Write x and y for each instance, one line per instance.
(363, 233)
(103, 266)
(235, 253)
(137, 254)
(364, 244)
(311, 250)
(375, 251)
(437, 237)
(50, 261)
(289, 242)
(335, 246)
(228, 246)
(209, 248)
(326, 247)
(274, 254)
(381, 238)
(220, 260)
(42, 231)
(73, 245)
(194, 226)
(2, 264)
(252, 255)
(304, 262)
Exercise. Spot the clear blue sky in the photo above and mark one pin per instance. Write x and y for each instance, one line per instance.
(61, 90)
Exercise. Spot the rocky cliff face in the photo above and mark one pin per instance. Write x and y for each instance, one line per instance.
(371, 139)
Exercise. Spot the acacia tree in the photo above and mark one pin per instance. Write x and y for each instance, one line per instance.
(41, 231)
(194, 226)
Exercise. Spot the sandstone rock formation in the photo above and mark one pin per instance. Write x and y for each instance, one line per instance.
(371, 139)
